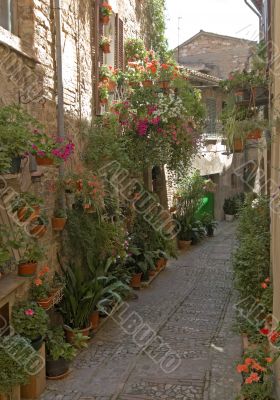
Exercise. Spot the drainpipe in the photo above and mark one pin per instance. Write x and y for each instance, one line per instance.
(60, 91)
(255, 11)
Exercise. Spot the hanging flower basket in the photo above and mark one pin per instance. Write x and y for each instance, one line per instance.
(44, 161)
(104, 19)
(106, 48)
(26, 213)
(38, 230)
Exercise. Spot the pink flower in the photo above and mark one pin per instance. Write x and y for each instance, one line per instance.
(29, 312)
(142, 127)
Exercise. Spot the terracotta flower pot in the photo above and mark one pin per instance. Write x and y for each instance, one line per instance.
(112, 86)
(94, 320)
(255, 134)
(70, 334)
(106, 48)
(159, 264)
(147, 83)
(44, 161)
(25, 213)
(103, 101)
(27, 269)
(238, 145)
(184, 244)
(38, 230)
(152, 272)
(164, 84)
(45, 303)
(58, 223)
(105, 19)
(136, 281)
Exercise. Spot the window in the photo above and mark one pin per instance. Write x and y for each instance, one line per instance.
(8, 14)
(211, 115)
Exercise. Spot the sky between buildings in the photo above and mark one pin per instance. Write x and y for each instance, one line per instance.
(226, 17)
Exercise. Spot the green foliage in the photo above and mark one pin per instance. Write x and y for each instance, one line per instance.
(33, 251)
(156, 28)
(30, 320)
(16, 127)
(251, 259)
(135, 49)
(14, 353)
(57, 347)
(187, 199)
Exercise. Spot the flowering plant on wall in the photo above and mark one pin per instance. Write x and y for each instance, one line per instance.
(105, 42)
(135, 50)
(59, 149)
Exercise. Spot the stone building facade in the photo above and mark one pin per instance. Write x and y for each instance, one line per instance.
(214, 54)
(29, 76)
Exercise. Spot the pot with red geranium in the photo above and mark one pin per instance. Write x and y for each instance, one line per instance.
(31, 321)
(59, 219)
(59, 353)
(149, 74)
(105, 42)
(166, 73)
(40, 290)
(38, 226)
(32, 253)
(108, 76)
(105, 13)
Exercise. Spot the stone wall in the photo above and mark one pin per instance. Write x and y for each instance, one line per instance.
(217, 55)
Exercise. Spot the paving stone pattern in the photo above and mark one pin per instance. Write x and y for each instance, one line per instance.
(190, 307)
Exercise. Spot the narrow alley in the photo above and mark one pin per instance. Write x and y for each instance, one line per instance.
(190, 308)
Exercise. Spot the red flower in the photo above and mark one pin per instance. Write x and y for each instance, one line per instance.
(263, 285)
(29, 312)
(242, 368)
(254, 377)
(274, 336)
(269, 360)
(249, 361)
(267, 280)
(265, 331)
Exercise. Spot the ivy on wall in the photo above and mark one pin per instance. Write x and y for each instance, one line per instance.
(156, 27)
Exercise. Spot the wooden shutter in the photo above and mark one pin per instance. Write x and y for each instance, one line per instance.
(98, 55)
(116, 42)
(121, 44)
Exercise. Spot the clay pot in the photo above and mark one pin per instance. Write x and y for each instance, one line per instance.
(184, 244)
(44, 161)
(25, 213)
(152, 272)
(94, 320)
(254, 135)
(136, 281)
(159, 264)
(45, 303)
(105, 19)
(164, 84)
(103, 101)
(27, 269)
(56, 368)
(106, 48)
(38, 230)
(238, 145)
(58, 223)
(70, 334)
(112, 86)
(147, 83)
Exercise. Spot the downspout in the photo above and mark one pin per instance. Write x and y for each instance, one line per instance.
(59, 72)
(255, 11)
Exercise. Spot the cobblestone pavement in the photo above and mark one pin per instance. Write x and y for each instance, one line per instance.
(189, 306)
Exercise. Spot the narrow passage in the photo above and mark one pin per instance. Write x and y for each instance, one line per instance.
(190, 306)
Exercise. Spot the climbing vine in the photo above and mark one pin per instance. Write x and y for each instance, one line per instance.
(156, 27)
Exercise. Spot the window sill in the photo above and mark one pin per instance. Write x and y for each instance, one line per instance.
(7, 39)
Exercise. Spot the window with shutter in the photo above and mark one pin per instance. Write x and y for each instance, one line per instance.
(98, 56)
(121, 44)
(116, 42)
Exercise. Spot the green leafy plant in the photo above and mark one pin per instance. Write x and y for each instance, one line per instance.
(229, 206)
(105, 9)
(57, 347)
(40, 287)
(32, 252)
(135, 49)
(30, 320)
(105, 40)
(13, 370)
(60, 213)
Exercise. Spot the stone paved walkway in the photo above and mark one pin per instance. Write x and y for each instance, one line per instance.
(189, 306)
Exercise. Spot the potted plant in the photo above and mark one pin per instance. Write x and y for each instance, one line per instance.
(12, 372)
(103, 94)
(16, 128)
(26, 205)
(76, 305)
(32, 253)
(40, 290)
(59, 353)
(209, 223)
(38, 226)
(108, 76)
(59, 219)
(105, 13)
(166, 73)
(229, 208)
(31, 321)
(105, 44)
(135, 50)
(149, 73)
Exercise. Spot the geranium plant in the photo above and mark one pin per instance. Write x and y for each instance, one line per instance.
(135, 49)
(59, 149)
(30, 320)
(40, 287)
(105, 42)
(103, 93)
